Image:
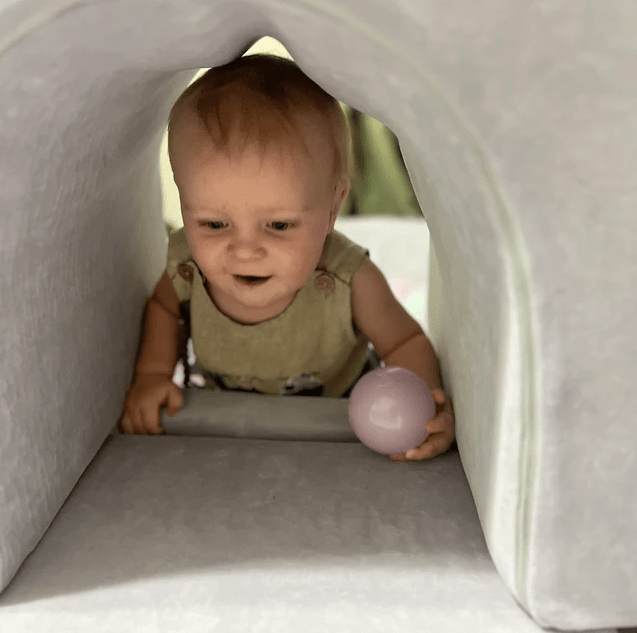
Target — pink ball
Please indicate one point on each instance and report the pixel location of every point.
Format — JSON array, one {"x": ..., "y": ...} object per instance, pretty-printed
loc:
[{"x": 388, "y": 410}]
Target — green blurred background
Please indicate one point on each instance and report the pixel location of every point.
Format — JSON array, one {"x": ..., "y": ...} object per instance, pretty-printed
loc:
[{"x": 381, "y": 185}]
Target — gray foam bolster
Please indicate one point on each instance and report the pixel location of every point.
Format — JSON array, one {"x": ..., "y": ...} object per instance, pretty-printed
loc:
[{"x": 260, "y": 416}]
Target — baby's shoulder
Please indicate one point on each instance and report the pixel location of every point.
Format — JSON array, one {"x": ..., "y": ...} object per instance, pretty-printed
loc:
[
  {"x": 178, "y": 247},
  {"x": 342, "y": 256},
  {"x": 180, "y": 267}
]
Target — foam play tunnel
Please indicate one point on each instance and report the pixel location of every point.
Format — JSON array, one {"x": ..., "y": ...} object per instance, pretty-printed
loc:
[{"x": 516, "y": 120}]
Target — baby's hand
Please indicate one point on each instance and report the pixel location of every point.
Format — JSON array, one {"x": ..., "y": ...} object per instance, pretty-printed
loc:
[
  {"x": 441, "y": 429},
  {"x": 146, "y": 396}
]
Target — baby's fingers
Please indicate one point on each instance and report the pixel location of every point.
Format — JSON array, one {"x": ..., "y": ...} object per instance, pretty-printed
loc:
[
  {"x": 125, "y": 424},
  {"x": 435, "y": 444},
  {"x": 436, "y": 425},
  {"x": 432, "y": 446},
  {"x": 150, "y": 421},
  {"x": 120, "y": 424}
]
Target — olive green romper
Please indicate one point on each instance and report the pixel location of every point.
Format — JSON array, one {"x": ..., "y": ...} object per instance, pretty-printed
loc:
[{"x": 311, "y": 348}]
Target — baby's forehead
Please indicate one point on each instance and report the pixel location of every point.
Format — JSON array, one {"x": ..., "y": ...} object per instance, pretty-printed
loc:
[{"x": 306, "y": 139}]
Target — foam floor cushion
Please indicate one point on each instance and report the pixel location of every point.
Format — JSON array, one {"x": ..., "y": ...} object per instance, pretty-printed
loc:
[{"x": 211, "y": 534}]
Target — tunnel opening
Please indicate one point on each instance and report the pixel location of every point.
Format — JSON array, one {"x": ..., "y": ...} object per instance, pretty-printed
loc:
[{"x": 381, "y": 188}]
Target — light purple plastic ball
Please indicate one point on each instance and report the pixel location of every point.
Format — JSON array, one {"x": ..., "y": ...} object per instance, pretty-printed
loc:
[{"x": 388, "y": 410}]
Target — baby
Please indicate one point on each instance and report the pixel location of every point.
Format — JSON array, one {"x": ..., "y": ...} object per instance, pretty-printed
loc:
[{"x": 276, "y": 300}]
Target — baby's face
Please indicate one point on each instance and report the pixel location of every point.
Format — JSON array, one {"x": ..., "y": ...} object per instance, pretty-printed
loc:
[{"x": 242, "y": 218}]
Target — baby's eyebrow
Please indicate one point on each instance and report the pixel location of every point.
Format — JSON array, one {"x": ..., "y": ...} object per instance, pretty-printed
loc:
[
  {"x": 281, "y": 209},
  {"x": 264, "y": 209}
]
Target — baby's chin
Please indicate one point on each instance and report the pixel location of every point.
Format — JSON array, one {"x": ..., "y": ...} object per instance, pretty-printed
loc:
[{"x": 251, "y": 307}]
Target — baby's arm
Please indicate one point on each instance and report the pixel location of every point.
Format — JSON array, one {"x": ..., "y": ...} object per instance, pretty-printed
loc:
[
  {"x": 159, "y": 346},
  {"x": 158, "y": 352},
  {"x": 400, "y": 341},
  {"x": 396, "y": 336}
]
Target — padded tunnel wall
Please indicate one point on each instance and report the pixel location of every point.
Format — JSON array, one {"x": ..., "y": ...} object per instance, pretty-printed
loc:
[
  {"x": 99, "y": 203},
  {"x": 86, "y": 95}
]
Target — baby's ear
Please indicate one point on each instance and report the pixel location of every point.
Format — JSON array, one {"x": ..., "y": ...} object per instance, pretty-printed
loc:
[
  {"x": 340, "y": 193},
  {"x": 343, "y": 186}
]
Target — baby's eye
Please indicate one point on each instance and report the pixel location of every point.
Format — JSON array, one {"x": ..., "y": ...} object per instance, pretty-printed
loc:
[{"x": 215, "y": 225}]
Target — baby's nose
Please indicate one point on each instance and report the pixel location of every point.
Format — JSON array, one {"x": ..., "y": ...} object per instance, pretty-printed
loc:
[{"x": 246, "y": 246}]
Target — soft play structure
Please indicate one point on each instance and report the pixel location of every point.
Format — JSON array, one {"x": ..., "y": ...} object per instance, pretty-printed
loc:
[{"x": 517, "y": 120}]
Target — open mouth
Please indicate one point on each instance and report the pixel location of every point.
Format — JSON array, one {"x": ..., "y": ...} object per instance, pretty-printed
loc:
[{"x": 251, "y": 281}]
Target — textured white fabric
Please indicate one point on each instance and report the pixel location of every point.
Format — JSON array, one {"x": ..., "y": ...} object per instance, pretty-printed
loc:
[
  {"x": 183, "y": 535},
  {"x": 517, "y": 124}
]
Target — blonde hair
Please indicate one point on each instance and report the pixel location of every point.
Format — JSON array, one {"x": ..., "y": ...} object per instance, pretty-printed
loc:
[{"x": 254, "y": 98}]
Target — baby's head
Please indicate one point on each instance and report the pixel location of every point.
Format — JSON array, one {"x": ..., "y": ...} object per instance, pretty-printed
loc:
[{"x": 261, "y": 158}]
